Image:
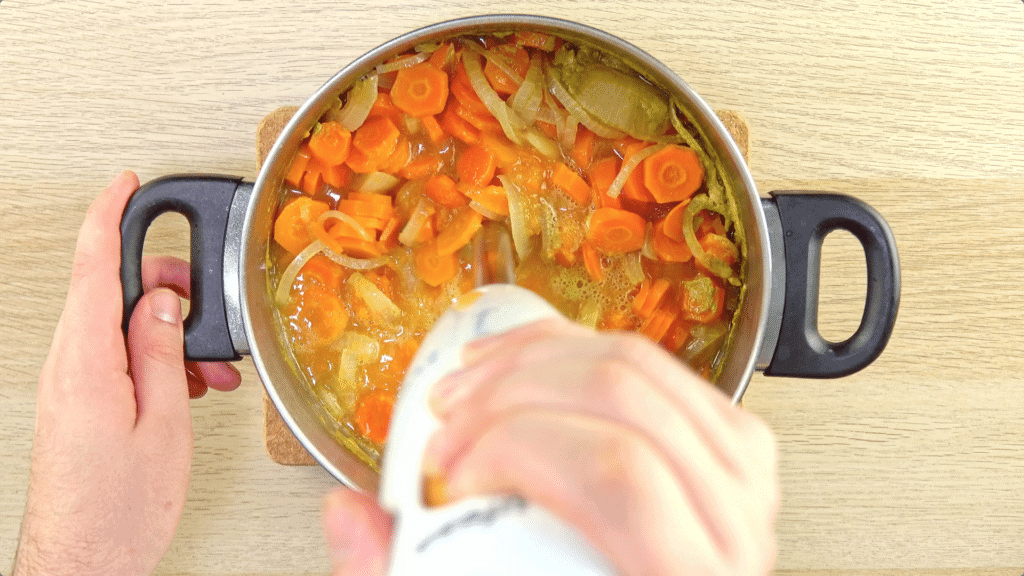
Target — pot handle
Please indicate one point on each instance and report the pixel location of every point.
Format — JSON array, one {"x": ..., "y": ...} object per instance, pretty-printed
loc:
[
  {"x": 806, "y": 219},
  {"x": 205, "y": 201}
]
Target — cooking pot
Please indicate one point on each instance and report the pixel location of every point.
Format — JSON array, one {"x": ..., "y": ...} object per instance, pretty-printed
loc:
[{"x": 232, "y": 311}]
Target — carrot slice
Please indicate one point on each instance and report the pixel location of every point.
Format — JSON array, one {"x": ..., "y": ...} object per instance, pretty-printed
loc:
[
  {"x": 330, "y": 143},
  {"x": 548, "y": 129},
  {"x": 483, "y": 123},
  {"x": 458, "y": 127},
  {"x": 592, "y": 261},
  {"x": 389, "y": 234},
  {"x": 505, "y": 154},
  {"x": 667, "y": 249},
  {"x": 657, "y": 325},
  {"x": 678, "y": 335},
  {"x": 442, "y": 56},
  {"x": 433, "y": 128},
  {"x": 674, "y": 222},
  {"x": 377, "y": 138},
  {"x": 423, "y": 166},
  {"x": 363, "y": 208},
  {"x": 399, "y": 158},
  {"x": 291, "y": 229},
  {"x": 614, "y": 320},
  {"x": 583, "y": 149},
  {"x": 384, "y": 107},
  {"x": 602, "y": 174},
  {"x": 420, "y": 90},
  {"x": 441, "y": 189},
  {"x": 720, "y": 247},
  {"x": 490, "y": 198},
  {"x": 520, "y": 62},
  {"x": 354, "y": 247},
  {"x": 382, "y": 199},
  {"x": 655, "y": 294},
  {"x": 571, "y": 183},
  {"x": 298, "y": 166},
  {"x": 702, "y": 299},
  {"x": 433, "y": 267},
  {"x": 338, "y": 176},
  {"x": 360, "y": 163},
  {"x": 462, "y": 90},
  {"x": 476, "y": 165},
  {"x": 615, "y": 231},
  {"x": 459, "y": 231},
  {"x": 323, "y": 271},
  {"x": 370, "y": 223},
  {"x": 538, "y": 40},
  {"x": 321, "y": 314},
  {"x": 311, "y": 182},
  {"x": 634, "y": 187},
  {"x": 673, "y": 173},
  {"x": 709, "y": 222},
  {"x": 373, "y": 415}
]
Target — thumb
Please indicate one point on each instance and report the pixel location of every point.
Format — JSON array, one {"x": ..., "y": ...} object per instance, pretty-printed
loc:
[
  {"x": 157, "y": 360},
  {"x": 358, "y": 533}
]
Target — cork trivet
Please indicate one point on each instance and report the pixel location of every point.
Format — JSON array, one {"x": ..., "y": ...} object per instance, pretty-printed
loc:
[{"x": 281, "y": 444}]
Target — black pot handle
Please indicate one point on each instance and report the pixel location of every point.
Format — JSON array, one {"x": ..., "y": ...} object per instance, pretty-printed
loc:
[
  {"x": 205, "y": 202},
  {"x": 806, "y": 219}
]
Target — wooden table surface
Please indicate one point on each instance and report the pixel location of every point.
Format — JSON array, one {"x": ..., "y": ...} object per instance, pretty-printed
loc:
[{"x": 912, "y": 466}]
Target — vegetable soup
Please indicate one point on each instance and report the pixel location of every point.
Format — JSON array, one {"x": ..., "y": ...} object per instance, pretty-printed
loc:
[{"x": 617, "y": 212}]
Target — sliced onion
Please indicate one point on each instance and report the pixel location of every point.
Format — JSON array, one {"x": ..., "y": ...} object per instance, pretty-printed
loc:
[
  {"x": 648, "y": 248},
  {"x": 378, "y": 302},
  {"x": 715, "y": 265},
  {"x": 527, "y": 99},
  {"x": 427, "y": 47},
  {"x": 510, "y": 122},
  {"x": 577, "y": 111},
  {"x": 356, "y": 263},
  {"x": 516, "y": 216},
  {"x": 490, "y": 214},
  {"x": 336, "y": 215},
  {"x": 284, "y": 284},
  {"x": 632, "y": 268},
  {"x": 590, "y": 313},
  {"x": 348, "y": 366},
  {"x": 403, "y": 63},
  {"x": 360, "y": 99},
  {"x": 542, "y": 143},
  {"x": 365, "y": 348},
  {"x": 424, "y": 209},
  {"x": 375, "y": 182},
  {"x": 627, "y": 168},
  {"x": 550, "y": 115},
  {"x": 567, "y": 134},
  {"x": 550, "y": 235},
  {"x": 499, "y": 62},
  {"x": 703, "y": 339}
]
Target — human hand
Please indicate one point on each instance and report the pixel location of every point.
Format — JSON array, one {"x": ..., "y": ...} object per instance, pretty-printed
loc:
[
  {"x": 113, "y": 436},
  {"x": 675, "y": 480}
]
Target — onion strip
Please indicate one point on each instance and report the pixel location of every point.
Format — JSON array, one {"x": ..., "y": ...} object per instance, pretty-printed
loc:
[
  {"x": 416, "y": 221},
  {"x": 490, "y": 214},
  {"x": 284, "y": 284},
  {"x": 577, "y": 110},
  {"x": 527, "y": 99},
  {"x": 627, "y": 168},
  {"x": 356, "y": 263},
  {"x": 403, "y": 63},
  {"x": 337, "y": 215},
  {"x": 499, "y": 62},
  {"x": 510, "y": 122},
  {"x": 360, "y": 99},
  {"x": 715, "y": 265},
  {"x": 516, "y": 216},
  {"x": 632, "y": 268}
]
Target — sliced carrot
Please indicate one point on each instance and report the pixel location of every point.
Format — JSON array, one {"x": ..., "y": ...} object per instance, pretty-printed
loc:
[
  {"x": 323, "y": 271},
  {"x": 571, "y": 183},
  {"x": 602, "y": 174},
  {"x": 655, "y": 294},
  {"x": 420, "y": 90},
  {"x": 433, "y": 128},
  {"x": 399, "y": 158},
  {"x": 548, "y": 129},
  {"x": 441, "y": 189},
  {"x": 583, "y": 148},
  {"x": 337, "y": 177},
  {"x": 360, "y": 163},
  {"x": 634, "y": 187},
  {"x": 674, "y": 222},
  {"x": 491, "y": 198},
  {"x": 505, "y": 154},
  {"x": 678, "y": 335},
  {"x": 389, "y": 234},
  {"x": 384, "y": 107},
  {"x": 458, "y": 127},
  {"x": 614, "y": 231},
  {"x": 502, "y": 83},
  {"x": 433, "y": 267},
  {"x": 354, "y": 247},
  {"x": 330, "y": 143},
  {"x": 464, "y": 93},
  {"x": 373, "y": 415},
  {"x": 476, "y": 165},
  {"x": 382, "y": 199},
  {"x": 614, "y": 320},
  {"x": 483, "y": 123},
  {"x": 291, "y": 229},
  {"x": 377, "y": 138},
  {"x": 311, "y": 182},
  {"x": 702, "y": 299},
  {"x": 658, "y": 323},
  {"x": 720, "y": 247},
  {"x": 538, "y": 40},
  {"x": 641, "y": 295},
  {"x": 422, "y": 166},
  {"x": 667, "y": 249},
  {"x": 298, "y": 166},
  {"x": 459, "y": 231},
  {"x": 321, "y": 314},
  {"x": 370, "y": 223},
  {"x": 427, "y": 231},
  {"x": 708, "y": 222},
  {"x": 442, "y": 56},
  {"x": 343, "y": 228},
  {"x": 363, "y": 208},
  {"x": 592, "y": 261},
  {"x": 673, "y": 173}
]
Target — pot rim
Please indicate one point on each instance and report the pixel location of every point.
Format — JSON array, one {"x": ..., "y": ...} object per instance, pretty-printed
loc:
[{"x": 311, "y": 110}]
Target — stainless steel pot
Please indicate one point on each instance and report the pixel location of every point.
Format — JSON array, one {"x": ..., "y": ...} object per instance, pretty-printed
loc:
[{"x": 231, "y": 222}]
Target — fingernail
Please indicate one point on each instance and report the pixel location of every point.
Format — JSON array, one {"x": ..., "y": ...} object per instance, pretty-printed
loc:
[{"x": 165, "y": 306}]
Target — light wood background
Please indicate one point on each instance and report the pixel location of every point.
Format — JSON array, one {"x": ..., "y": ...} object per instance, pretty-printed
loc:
[{"x": 913, "y": 466}]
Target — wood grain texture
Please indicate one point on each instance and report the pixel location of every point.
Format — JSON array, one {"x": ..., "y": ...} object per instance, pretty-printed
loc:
[{"x": 913, "y": 466}]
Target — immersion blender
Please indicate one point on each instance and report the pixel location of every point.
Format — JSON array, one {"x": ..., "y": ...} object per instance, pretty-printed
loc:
[{"x": 496, "y": 535}]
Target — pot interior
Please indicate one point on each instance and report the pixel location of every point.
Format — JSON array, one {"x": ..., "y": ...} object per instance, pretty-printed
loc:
[{"x": 299, "y": 407}]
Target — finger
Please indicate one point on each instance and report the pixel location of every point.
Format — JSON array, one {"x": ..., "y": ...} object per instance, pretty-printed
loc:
[
  {"x": 155, "y": 345},
  {"x": 174, "y": 273},
  {"x": 358, "y": 533},
  {"x": 619, "y": 492},
  {"x": 89, "y": 331}
]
